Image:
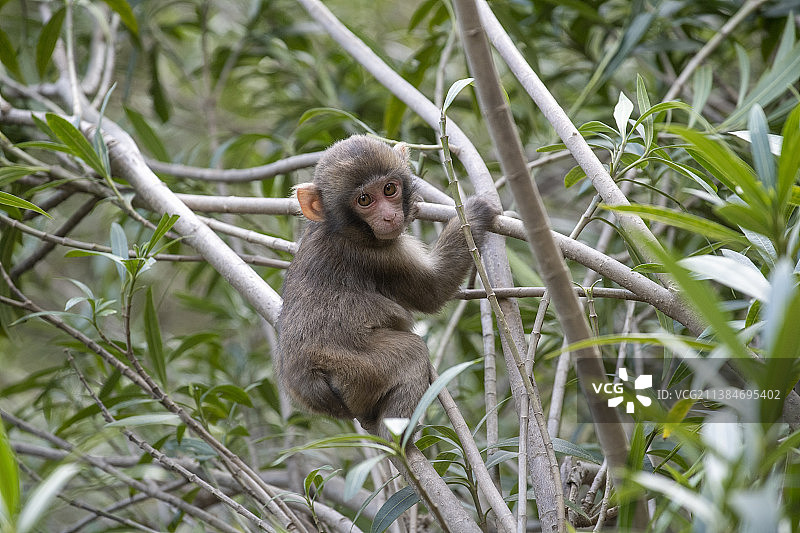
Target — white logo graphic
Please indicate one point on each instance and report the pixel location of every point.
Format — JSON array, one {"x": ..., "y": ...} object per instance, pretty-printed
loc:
[{"x": 645, "y": 381}]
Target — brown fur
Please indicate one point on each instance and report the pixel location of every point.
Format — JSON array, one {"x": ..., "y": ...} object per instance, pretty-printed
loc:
[{"x": 346, "y": 347}]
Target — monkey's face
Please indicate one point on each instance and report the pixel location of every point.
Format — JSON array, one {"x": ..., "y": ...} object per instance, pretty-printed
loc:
[{"x": 379, "y": 203}]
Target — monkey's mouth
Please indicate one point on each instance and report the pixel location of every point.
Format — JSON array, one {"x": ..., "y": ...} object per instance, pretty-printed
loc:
[{"x": 388, "y": 233}]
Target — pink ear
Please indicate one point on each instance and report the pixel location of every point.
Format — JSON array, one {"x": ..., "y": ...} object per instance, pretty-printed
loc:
[
  {"x": 310, "y": 200},
  {"x": 402, "y": 149}
]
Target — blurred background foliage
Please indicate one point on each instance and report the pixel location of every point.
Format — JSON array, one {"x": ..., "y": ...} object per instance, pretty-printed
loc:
[{"x": 231, "y": 85}]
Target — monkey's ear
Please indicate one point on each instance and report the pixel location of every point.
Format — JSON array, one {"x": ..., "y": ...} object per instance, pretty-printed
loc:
[
  {"x": 310, "y": 200},
  {"x": 402, "y": 149}
]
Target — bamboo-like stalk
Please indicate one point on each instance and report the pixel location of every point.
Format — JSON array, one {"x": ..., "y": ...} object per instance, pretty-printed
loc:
[{"x": 505, "y": 330}]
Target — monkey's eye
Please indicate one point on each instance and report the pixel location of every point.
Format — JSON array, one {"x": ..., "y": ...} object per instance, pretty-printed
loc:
[
  {"x": 390, "y": 189},
  {"x": 364, "y": 200}
]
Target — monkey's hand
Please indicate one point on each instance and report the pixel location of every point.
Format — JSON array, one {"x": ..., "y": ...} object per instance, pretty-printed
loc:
[{"x": 481, "y": 213}]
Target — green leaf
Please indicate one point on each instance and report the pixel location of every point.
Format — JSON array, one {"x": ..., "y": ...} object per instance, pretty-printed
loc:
[
  {"x": 358, "y": 474},
  {"x": 781, "y": 334},
  {"x": 679, "y": 219},
  {"x": 317, "y": 111},
  {"x": 123, "y": 9},
  {"x": 119, "y": 247},
  {"x": 12, "y": 173},
  {"x": 743, "y": 59},
  {"x": 161, "y": 104},
  {"x": 9, "y": 479},
  {"x": 456, "y": 88},
  {"x": 763, "y": 160},
  {"x": 789, "y": 162},
  {"x": 152, "y": 419},
  {"x": 593, "y": 126},
  {"x": 731, "y": 273},
  {"x": 74, "y": 139},
  {"x": 726, "y": 166},
  {"x": 40, "y": 501},
  {"x": 396, "y": 505},
  {"x": 164, "y": 225},
  {"x": 147, "y": 135},
  {"x": 87, "y": 253},
  {"x": 230, "y": 392},
  {"x": 47, "y": 40},
  {"x": 701, "y": 89},
  {"x": 644, "y": 105},
  {"x": 746, "y": 216},
  {"x": 574, "y": 175},
  {"x": 15, "y": 201},
  {"x": 774, "y": 82},
  {"x": 622, "y": 113},
  {"x": 155, "y": 347},
  {"x": 8, "y": 56},
  {"x": 431, "y": 394},
  {"x": 565, "y": 447}
]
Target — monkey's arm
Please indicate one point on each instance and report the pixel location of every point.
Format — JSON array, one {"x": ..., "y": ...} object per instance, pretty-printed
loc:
[{"x": 425, "y": 281}]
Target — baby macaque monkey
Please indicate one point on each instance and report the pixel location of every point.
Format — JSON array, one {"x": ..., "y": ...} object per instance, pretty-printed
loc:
[{"x": 346, "y": 346}]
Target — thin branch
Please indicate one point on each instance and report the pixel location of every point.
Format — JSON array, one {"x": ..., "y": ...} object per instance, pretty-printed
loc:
[
  {"x": 710, "y": 46},
  {"x": 140, "y": 486},
  {"x": 167, "y": 462},
  {"x": 90, "y": 246},
  {"x": 576, "y": 144},
  {"x": 538, "y": 292},
  {"x": 41, "y": 252},
  {"x": 283, "y": 166}
]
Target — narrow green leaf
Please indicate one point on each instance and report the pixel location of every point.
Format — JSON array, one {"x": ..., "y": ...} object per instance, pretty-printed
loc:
[
  {"x": 622, "y": 113},
  {"x": 98, "y": 142},
  {"x": 701, "y": 89},
  {"x": 161, "y": 104},
  {"x": 773, "y": 83},
  {"x": 155, "y": 347},
  {"x": 781, "y": 334},
  {"x": 703, "y": 299},
  {"x": 595, "y": 126},
  {"x": 746, "y": 216},
  {"x": 9, "y": 478},
  {"x": 431, "y": 394},
  {"x": 743, "y": 59},
  {"x": 119, "y": 247},
  {"x": 644, "y": 105},
  {"x": 87, "y": 253},
  {"x": 574, "y": 175},
  {"x": 763, "y": 160},
  {"x": 123, "y": 9},
  {"x": 15, "y": 201},
  {"x": 729, "y": 272},
  {"x": 74, "y": 139},
  {"x": 396, "y": 505},
  {"x": 456, "y": 88},
  {"x": 664, "y": 106},
  {"x": 565, "y": 447},
  {"x": 679, "y": 219},
  {"x": 47, "y": 40},
  {"x": 358, "y": 474},
  {"x": 147, "y": 135},
  {"x": 152, "y": 419},
  {"x": 40, "y": 501},
  {"x": 164, "y": 225},
  {"x": 726, "y": 166},
  {"x": 317, "y": 111},
  {"x": 230, "y": 392},
  {"x": 787, "y": 41},
  {"x": 421, "y": 12},
  {"x": 789, "y": 162},
  {"x": 8, "y": 56},
  {"x": 11, "y": 174}
]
